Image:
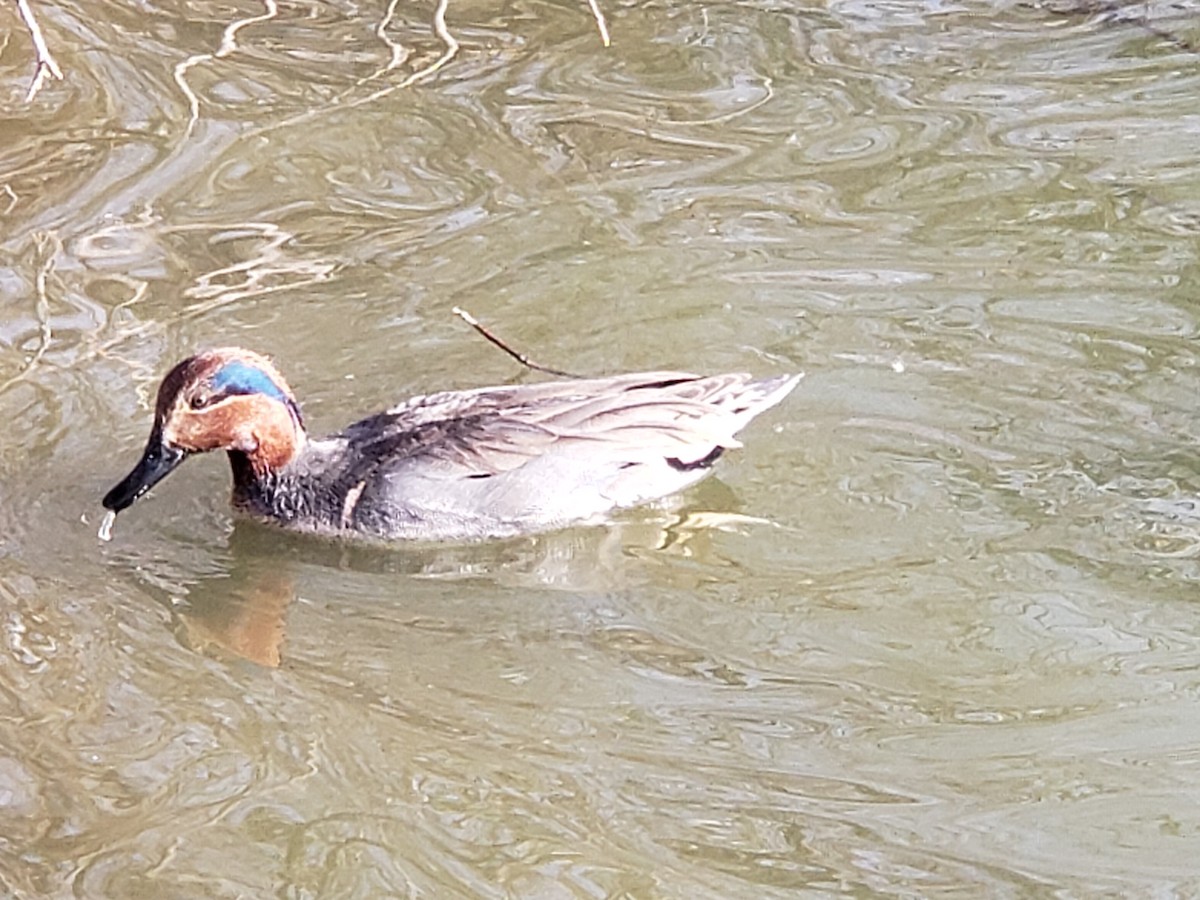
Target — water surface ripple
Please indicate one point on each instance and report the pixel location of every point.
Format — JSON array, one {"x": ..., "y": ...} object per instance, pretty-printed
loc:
[{"x": 933, "y": 632}]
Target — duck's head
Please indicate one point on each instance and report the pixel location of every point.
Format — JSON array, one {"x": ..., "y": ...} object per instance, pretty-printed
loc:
[{"x": 227, "y": 399}]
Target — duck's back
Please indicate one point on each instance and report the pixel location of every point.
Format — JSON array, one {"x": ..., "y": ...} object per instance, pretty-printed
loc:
[{"x": 512, "y": 460}]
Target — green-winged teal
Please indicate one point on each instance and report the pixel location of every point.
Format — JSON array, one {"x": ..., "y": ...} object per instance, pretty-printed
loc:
[{"x": 458, "y": 465}]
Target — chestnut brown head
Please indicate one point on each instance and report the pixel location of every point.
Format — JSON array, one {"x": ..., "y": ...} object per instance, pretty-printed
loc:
[{"x": 226, "y": 399}]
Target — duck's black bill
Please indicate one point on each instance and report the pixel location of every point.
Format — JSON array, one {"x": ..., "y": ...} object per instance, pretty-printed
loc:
[{"x": 156, "y": 464}]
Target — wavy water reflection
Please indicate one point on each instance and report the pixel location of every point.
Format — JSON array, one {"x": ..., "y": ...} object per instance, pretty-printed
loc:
[{"x": 933, "y": 631}]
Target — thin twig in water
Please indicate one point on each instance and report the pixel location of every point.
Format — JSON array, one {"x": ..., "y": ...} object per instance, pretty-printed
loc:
[
  {"x": 600, "y": 23},
  {"x": 397, "y": 53},
  {"x": 396, "y": 48},
  {"x": 767, "y": 97},
  {"x": 13, "y": 200},
  {"x": 440, "y": 29},
  {"x": 228, "y": 45},
  {"x": 46, "y": 63},
  {"x": 180, "y": 75},
  {"x": 46, "y": 247},
  {"x": 519, "y": 357},
  {"x": 344, "y": 101},
  {"x": 444, "y": 35},
  {"x": 229, "y": 38}
]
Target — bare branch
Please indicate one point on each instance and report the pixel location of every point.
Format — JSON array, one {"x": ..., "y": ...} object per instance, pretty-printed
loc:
[
  {"x": 229, "y": 38},
  {"x": 600, "y": 23},
  {"x": 229, "y": 44},
  {"x": 519, "y": 357},
  {"x": 440, "y": 29},
  {"x": 47, "y": 246},
  {"x": 46, "y": 64}
]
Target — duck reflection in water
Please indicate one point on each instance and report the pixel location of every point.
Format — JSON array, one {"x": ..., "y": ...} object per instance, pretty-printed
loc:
[
  {"x": 243, "y": 610},
  {"x": 244, "y": 614}
]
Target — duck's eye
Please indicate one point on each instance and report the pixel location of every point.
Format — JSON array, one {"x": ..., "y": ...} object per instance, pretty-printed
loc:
[{"x": 200, "y": 401}]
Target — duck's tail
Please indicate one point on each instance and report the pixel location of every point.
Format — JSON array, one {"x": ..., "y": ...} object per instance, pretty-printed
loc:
[{"x": 752, "y": 398}]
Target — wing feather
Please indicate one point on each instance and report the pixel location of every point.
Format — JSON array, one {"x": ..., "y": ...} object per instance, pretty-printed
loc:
[{"x": 627, "y": 418}]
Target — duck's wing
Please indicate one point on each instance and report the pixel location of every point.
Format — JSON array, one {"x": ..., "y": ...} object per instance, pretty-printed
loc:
[
  {"x": 623, "y": 420},
  {"x": 512, "y": 460}
]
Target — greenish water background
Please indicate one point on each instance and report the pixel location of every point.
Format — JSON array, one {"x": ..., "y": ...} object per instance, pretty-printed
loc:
[{"x": 933, "y": 632}]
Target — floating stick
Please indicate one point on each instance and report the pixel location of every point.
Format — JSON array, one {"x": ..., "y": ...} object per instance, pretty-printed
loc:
[
  {"x": 46, "y": 63},
  {"x": 519, "y": 357}
]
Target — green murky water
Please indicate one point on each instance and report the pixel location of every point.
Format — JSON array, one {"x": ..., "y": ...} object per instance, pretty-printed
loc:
[{"x": 933, "y": 632}]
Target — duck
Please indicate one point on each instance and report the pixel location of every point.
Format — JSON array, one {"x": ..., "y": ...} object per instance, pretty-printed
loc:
[{"x": 460, "y": 465}]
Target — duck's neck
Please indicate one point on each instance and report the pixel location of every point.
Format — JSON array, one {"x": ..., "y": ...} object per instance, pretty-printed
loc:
[
  {"x": 305, "y": 488},
  {"x": 248, "y": 471},
  {"x": 271, "y": 444},
  {"x": 259, "y": 489}
]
